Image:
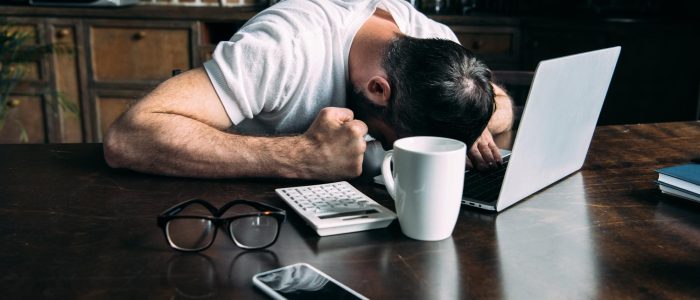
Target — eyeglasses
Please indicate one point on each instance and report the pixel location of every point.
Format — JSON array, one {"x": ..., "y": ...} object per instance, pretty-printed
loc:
[{"x": 251, "y": 230}]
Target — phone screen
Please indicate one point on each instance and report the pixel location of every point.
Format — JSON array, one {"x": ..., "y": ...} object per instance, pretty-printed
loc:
[{"x": 301, "y": 282}]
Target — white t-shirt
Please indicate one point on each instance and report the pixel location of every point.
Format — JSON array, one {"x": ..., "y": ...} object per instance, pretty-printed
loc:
[{"x": 290, "y": 60}]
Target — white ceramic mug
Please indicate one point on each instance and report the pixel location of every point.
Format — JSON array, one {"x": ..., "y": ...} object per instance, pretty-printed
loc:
[{"x": 426, "y": 184}]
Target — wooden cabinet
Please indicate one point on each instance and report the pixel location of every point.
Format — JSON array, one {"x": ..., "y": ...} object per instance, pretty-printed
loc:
[
  {"x": 32, "y": 111},
  {"x": 114, "y": 62}
]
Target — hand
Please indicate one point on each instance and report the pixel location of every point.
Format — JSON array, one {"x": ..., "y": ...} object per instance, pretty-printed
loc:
[
  {"x": 337, "y": 145},
  {"x": 484, "y": 153}
]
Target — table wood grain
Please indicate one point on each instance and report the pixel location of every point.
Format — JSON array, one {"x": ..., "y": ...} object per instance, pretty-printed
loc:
[{"x": 71, "y": 227}]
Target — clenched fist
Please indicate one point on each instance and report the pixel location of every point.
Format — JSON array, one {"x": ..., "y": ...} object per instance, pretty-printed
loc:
[{"x": 336, "y": 145}]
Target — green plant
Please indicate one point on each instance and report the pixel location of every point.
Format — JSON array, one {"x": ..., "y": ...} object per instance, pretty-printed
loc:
[{"x": 16, "y": 52}]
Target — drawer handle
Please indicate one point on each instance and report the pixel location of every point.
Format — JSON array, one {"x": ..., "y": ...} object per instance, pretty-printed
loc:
[
  {"x": 476, "y": 45},
  {"x": 13, "y": 103},
  {"x": 139, "y": 35},
  {"x": 62, "y": 33}
]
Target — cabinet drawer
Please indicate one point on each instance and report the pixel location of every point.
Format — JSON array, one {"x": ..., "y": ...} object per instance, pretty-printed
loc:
[
  {"x": 109, "y": 109},
  {"x": 497, "y": 45},
  {"x": 138, "y": 54},
  {"x": 487, "y": 43},
  {"x": 31, "y": 70},
  {"x": 25, "y": 118}
]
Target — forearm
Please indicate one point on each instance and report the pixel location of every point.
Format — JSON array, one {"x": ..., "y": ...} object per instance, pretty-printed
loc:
[
  {"x": 502, "y": 118},
  {"x": 179, "y": 129},
  {"x": 177, "y": 145}
]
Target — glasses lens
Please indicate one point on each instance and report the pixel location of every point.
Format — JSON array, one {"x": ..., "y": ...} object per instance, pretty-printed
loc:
[
  {"x": 190, "y": 233},
  {"x": 254, "y": 231}
]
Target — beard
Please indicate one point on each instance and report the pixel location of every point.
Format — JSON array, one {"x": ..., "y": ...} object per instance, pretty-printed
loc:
[
  {"x": 363, "y": 108},
  {"x": 367, "y": 111}
]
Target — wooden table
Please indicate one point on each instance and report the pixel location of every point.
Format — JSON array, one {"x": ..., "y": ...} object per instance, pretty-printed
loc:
[{"x": 72, "y": 227}]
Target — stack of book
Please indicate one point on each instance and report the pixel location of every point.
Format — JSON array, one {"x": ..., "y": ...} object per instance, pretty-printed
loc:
[{"x": 681, "y": 181}]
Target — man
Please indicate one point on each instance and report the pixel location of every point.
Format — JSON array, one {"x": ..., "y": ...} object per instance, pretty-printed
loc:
[{"x": 270, "y": 102}]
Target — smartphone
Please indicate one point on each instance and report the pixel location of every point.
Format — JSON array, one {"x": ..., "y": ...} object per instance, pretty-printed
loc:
[{"x": 302, "y": 281}]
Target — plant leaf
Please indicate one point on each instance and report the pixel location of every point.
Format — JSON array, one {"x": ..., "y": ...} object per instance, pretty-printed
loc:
[{"x": 23, "y": 136}]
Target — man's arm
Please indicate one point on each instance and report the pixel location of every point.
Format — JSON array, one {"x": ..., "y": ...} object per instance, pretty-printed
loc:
[
  {"x": 502, "y": 118},
  {"x": 180, "y": 128},
  {"x": 484, "y": 153}
]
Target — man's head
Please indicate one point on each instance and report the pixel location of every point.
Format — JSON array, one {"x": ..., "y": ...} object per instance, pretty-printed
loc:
[{"x": 435, "y": 87}]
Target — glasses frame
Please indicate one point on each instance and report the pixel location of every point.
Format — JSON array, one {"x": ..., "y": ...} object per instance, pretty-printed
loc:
[{"x": 222, "y": 223}]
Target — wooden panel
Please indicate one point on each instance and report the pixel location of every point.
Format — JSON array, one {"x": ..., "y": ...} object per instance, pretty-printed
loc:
[
  {"x": 109, "y": 109},
  {"x": 138, "y": 54},
  {"x": 67, "y": 85},
  {"x": 498, "y": 46},
  {"x": 206, "y": 52},
  {"x": 28, "y": 115},
  {"x": 487, "y": 43},
  {"x": 31, "y": 69}
]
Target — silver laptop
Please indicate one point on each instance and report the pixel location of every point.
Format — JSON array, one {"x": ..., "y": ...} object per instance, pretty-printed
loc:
[{"x": 555, "y": 130}]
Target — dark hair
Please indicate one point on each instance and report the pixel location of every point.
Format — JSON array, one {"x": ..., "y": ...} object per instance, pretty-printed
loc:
[{"x": 438, "y": 88}]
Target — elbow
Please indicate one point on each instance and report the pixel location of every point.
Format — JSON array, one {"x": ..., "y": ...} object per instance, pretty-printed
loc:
[
  {"x": 113, "y": 147},
  {"x": 121, "y": 144},
  {"x": 510, "y": 118},
  {"x": 127, "y": 143}
]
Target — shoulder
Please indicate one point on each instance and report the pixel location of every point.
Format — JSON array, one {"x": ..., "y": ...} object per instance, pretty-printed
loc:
[
  {"x": 293, "y": 12},
  {"x": 416, "y": 24}
]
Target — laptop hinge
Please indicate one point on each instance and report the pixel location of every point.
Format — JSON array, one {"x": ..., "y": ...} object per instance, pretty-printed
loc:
[{"x": 472, "y": 203}]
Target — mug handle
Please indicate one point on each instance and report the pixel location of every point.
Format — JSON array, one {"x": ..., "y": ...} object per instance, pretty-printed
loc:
[{"x": 388, "y": 174}]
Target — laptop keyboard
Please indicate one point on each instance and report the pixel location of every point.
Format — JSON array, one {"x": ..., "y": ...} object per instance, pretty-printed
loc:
[{"x": 485, "y": 186}]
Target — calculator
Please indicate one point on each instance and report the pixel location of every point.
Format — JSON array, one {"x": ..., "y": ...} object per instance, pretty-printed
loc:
[{"x": 336, "y": 208}]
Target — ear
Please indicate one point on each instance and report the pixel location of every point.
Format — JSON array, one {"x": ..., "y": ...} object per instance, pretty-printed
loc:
[{"x": 378, "y": 90}]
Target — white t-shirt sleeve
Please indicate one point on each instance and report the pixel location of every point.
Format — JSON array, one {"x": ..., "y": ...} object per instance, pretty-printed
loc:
[
  {"x": 251, "y": 73},
  {"x": 415, "y": 24}
]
